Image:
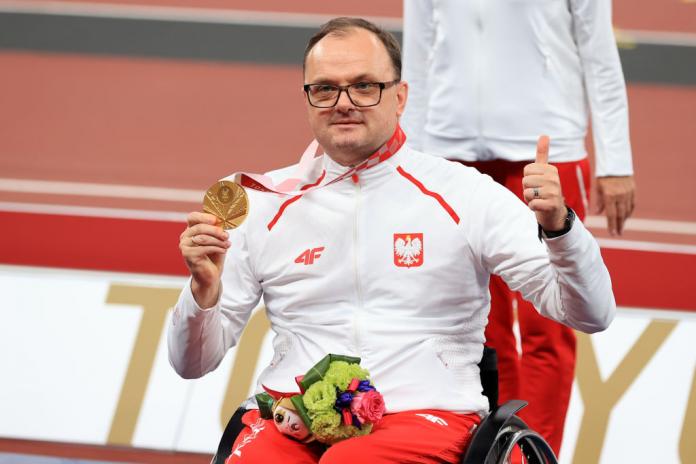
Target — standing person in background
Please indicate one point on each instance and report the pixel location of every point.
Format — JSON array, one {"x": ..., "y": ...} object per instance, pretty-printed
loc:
[{"x": 486, "y": 77}]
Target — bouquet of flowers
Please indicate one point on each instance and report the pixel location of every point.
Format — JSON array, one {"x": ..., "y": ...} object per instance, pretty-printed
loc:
[{"x": 336, "y": 401}]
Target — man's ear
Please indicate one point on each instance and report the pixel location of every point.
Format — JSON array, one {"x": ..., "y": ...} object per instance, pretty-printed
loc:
[
  {"x": 303, "y": 96},
  {"x": 402, "y": 97}
]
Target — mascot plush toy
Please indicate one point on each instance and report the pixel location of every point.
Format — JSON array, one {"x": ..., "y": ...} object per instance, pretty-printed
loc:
[{"x": 289, "y": 422}]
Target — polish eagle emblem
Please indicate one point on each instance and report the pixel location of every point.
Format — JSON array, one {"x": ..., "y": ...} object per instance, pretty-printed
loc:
[{"x": 408, "y": 250}]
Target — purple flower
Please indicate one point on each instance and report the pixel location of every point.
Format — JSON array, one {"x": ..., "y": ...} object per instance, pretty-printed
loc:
[
  {"x": 364, "y": 386},
  {"x": 356, "y": 422},
  {"x": 343, "y": 401}
]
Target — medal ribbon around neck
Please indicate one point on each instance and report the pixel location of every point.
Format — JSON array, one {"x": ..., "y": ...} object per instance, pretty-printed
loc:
[{"x": 290, "y": 186}]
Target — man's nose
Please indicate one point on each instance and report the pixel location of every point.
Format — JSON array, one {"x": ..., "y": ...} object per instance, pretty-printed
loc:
[{"x": 344, "y": 102}]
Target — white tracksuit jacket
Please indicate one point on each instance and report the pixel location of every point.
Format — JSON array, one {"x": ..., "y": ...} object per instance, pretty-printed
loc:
[
  {"x": 487, "y": 77},
  {"x": 419, "y": 329}
]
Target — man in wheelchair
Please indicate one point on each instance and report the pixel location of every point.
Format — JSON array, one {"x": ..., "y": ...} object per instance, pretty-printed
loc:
[{"x": 380, "y": 252}]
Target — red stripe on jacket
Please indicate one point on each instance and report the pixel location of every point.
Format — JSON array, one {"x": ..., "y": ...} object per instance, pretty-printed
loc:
[
  {"x": 287, "y": 203},
  {"x": 437, "y": 196}
]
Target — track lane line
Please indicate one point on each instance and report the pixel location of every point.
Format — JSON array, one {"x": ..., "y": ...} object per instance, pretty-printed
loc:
[
  {"x": 89, "y": 211},
  {"x": 100, "y": 190},
  {"x": 646, "y": 225},
  {"x": 637, "y": 245},
  {"x": 177, "y": 13}
]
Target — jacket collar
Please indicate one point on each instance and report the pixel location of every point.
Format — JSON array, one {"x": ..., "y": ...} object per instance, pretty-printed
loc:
[{"x": 373, "y": 165}]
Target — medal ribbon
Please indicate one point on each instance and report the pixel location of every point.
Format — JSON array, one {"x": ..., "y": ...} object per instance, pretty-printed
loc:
[{"x": 290, "y": 185}]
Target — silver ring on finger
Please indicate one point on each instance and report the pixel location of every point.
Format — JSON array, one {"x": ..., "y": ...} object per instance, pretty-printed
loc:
[{"x": 536, "y": 192}]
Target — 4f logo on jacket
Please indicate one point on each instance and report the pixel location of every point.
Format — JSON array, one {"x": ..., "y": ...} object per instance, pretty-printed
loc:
[
  {"x": 408, "y": 250},
  {"x": 308, "y": 256}
]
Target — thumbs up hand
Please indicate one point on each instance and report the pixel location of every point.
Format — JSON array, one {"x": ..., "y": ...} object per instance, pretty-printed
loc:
[{"x": 542, "y": 189}]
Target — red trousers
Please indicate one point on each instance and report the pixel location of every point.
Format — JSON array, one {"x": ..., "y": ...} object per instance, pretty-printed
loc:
[
  {"x": 424, "y": 436},
  {"x": 543, "y": 373}
]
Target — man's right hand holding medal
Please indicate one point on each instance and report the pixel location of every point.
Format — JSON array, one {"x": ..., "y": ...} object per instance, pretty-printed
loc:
[
  {"x": 203, "y": 245},
  {"x": 204, "y": 242}
]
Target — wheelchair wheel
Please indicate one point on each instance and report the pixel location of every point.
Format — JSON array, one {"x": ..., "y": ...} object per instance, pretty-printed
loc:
[{"x": 516, "y": 435}]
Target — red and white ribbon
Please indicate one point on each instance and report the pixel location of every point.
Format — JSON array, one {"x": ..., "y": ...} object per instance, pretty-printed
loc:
[{"x": 290, "y": 186}]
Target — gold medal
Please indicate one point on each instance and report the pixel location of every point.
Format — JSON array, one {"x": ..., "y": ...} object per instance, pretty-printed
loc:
[{"x": 228, "y": 202}]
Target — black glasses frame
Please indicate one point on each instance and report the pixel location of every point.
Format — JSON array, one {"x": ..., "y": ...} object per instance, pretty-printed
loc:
[{"x": 346, "y": 89}]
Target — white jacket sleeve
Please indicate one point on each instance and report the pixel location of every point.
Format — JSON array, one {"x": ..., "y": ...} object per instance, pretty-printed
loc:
[
  {"x": 199, "y": 338},
  {"x": 606, "y": 88},
  {"x": 564, "y": 278},
  {"x": 418, "y": 36}
]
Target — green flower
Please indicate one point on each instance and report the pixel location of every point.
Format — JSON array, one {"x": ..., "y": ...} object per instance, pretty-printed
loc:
[
  {"x": 325, "y": 425},
  {"x": 320, "y": 397},
  {"x": 334, "y": 434},
  {"x": 366, "y": 428},
  {"x": 340, "y": 374}
]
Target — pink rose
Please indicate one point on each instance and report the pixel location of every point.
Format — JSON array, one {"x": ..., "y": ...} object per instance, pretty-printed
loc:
[{"x": 368, "y": 407}]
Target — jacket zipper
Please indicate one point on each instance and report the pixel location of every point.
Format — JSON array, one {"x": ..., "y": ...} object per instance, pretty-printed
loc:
[{"x": 358, "y": 289}]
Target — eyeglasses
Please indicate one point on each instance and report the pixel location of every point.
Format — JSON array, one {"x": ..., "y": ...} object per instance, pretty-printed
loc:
[{"x": 361, "y": 94}]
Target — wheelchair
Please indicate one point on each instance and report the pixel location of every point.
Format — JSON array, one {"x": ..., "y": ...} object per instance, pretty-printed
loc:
[{"x": 494, "y": 440}]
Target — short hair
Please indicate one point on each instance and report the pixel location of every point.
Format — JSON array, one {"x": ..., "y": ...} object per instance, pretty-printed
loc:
[{"x": 343, "y": 25}]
